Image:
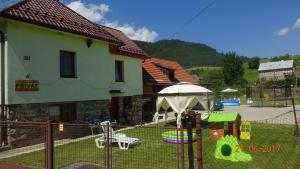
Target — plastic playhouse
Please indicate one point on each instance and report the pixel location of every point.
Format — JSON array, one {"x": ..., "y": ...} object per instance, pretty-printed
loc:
[{"x": 224, "y": 124}]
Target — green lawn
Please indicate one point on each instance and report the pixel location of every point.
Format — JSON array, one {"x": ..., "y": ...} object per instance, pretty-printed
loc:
[
  {"x": 251, "y": 75},
  {"x": 153, "y": 153}
]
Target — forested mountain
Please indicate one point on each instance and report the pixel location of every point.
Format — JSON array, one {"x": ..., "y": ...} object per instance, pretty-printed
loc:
[{"x": 188, "y": 54}]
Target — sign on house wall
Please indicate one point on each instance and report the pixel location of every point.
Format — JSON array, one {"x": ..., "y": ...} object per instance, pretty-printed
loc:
[{"x": 26, "y": 85}]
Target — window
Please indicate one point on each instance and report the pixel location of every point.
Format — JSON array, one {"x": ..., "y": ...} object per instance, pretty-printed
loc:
[
  {"x": 119, "y": 71},
  {"x": 168, "y": 72},
  {"x": 63, "y": 112},
  {"x": 67, "y": 64}
]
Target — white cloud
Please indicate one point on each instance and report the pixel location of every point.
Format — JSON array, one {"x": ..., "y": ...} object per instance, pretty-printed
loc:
[
  {"x": 7, "y": 3},
  {"x": 96, "y": 13},
  {"x": 283, "y": 31},
  {"x": 297, "y": 23},
  {"x": 142, "y": 34}
]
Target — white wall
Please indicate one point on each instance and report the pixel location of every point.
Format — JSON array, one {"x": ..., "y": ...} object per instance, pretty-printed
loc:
[
  {"x": 95, "y": 67},
  {"x": 133, "y": 77}
]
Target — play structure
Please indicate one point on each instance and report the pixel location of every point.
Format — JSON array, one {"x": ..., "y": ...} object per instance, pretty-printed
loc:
[
  {"x": 174, "y": 138},
  {"x": 226, "y": 128},
  {"x": 269, "y": 96},
  {"x": 245, "y": 130},
  {"x": 221, "y": 124},
  {"x": 229, "y": 97},
  {"x": 227, "y": 149}
]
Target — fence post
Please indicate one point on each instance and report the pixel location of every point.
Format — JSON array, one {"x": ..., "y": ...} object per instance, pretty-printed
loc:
[
  {"x": 107, "y": 147},
  {"x": 189, "y": 126},
  {"x": 181, "y": 147},
  {"x": 199, "y": 141},
  {"x": 49, "y": 146},
  {"x": 296, "y": 132}
]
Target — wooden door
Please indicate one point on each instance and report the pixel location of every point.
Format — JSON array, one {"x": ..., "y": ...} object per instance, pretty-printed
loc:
[{"x": 114, "y": 109}]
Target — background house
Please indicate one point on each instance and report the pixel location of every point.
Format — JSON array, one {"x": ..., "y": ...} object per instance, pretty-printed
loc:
[
  {"x": 276, "y": 70},
  {"x": 158, "y": 74}
]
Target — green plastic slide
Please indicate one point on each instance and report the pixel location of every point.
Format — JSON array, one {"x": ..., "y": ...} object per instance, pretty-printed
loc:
[{"x": 227, "y": 148}]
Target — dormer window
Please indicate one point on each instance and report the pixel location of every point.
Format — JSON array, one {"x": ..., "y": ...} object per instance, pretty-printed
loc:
[{"x": 168, "y": 72}]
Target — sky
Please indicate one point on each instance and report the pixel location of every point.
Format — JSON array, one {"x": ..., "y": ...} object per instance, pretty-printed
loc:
[{"x": 261, "y": 28}]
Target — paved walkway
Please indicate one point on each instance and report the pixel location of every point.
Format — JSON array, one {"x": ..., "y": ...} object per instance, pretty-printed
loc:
[
  {"x": 37, "y": 147},
  {"x": 12, "y": 166},
  {"x": 84, "y": 165},
  {"x": 265, "y": 113}
]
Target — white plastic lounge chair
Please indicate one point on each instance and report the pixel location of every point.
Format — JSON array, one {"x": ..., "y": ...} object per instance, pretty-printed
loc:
[{"x": 123, "y": 141}]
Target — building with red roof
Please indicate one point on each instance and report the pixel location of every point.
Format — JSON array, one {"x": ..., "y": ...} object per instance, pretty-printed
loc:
[
  {"x": 158, "y": 74},
  {"x": 58, "y": 65}
]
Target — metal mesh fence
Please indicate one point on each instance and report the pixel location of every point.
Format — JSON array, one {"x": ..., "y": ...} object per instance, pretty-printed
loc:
[
  {"x": 149, "y": 151},
  {"x": 272, "y": 144},
  {"x": 25, "y": 145},
  {"x": 75, "y": 146},
  {"x": 275, "y": 96}
]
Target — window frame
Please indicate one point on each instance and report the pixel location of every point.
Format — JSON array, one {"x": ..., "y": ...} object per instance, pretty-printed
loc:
[
  {"x": 74, "y": 67},
  {"x": 122, "y": 71}
]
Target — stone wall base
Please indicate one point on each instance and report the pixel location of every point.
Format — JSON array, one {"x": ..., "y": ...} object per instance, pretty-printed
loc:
[{"x": 21, "y": 135}]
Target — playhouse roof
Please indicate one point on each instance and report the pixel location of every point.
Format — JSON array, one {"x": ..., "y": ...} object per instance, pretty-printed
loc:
[{"x": 218, "y": 117}]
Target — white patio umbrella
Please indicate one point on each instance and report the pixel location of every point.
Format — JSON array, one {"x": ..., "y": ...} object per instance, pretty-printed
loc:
[
  {"x": 180, "y": 96},
  {"x": 229, "y": 90}
]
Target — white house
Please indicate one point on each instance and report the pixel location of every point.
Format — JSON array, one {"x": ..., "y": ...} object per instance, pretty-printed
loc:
[
  {"x": 276, "y": 70},
  {"x": 58, "y": 65}
]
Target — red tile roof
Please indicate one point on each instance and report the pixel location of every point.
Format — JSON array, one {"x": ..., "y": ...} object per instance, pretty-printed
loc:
[
  {"x": 130, "y": 47},
  {"x": 153, "y": 75},
  {"x": 53, "y": 14}
]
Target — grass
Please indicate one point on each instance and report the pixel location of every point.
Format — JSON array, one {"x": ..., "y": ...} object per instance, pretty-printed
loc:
[
  {"x": 153, "y": 153},
  {"x": 251, "y": 75},
  {"x": 206, "y": 68}
]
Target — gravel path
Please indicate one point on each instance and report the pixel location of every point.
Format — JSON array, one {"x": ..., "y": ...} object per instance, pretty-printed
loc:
[{"x": 278, "y": 114}]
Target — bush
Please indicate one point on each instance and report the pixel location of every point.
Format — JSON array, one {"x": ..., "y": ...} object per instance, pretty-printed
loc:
[{"x": 253, "y": 63}]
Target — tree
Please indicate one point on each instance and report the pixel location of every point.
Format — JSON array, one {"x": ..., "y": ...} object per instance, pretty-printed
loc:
[
  {"x": 213, "y": 77},
  {"x": 253, "y": 63},
  {"x": 233, "y": 69},
  {"x": 279, "y": 58}
]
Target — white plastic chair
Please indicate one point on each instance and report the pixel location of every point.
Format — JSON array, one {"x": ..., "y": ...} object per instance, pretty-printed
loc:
[{"x": 123, "y": 141}]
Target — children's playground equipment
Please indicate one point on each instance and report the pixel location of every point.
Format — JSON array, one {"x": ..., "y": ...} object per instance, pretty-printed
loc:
[
  {"x": 174, "y": 137},
  {"x": 266, "y": 96},
  {"x": 245, "y": 130},
  {"x": 227, "y": 148},
  {"x": 224, "y": 124}
]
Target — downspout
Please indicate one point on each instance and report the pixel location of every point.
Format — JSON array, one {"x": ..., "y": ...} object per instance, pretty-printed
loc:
[
  {"x": 2, "y": 36},
  {"x": 3, "y": 128}
]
